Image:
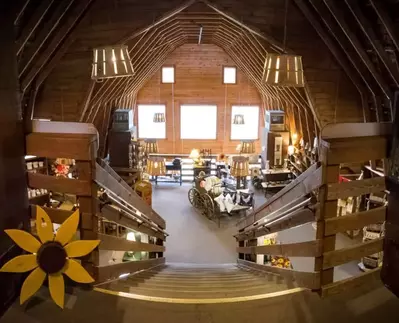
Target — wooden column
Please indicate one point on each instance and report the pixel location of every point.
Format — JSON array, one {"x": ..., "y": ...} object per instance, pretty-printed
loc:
[
  {"x": 14, "y": 209},
  {"x": 328, "y": 209},
  {"x": 88, "y": 208}
]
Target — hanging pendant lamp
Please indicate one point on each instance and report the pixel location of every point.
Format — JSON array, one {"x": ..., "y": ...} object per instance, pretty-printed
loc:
[
  {"x": 111, "y": 62},
  {"x": 284, "y": 69},
  {"x": 151, "y": 146},
  {"x": 159, "y": 117},
  {"x": 238, "y": 119},
  {"x": 247, "y": 147}
]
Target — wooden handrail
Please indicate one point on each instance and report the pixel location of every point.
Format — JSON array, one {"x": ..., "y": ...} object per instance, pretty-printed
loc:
[
  {"x": 304, "y": 184},
  {"x": 109, "y": 242},
  {"x": 344, "y": 255},
  {"x": 108, "y": 182},
  {"x": 120, "y": 217},
  {"x": 299, "y": 249},
  {"x": 355, "y": 188},
  {"x": 354, "y": 221}
]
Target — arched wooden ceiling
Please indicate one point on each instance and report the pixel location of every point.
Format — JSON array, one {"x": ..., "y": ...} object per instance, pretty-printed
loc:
[
  {"x": 150, "y": 47},
  {"x": 349, "y": 49}
]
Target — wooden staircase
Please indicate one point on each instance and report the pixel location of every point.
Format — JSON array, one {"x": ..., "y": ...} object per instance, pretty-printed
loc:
[{"x": 195, "y": 281}]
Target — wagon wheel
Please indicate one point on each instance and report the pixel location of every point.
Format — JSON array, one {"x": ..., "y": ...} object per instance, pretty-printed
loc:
[
  {"x": 208, "y": 206},
  {"x": 194, "y": 197}
]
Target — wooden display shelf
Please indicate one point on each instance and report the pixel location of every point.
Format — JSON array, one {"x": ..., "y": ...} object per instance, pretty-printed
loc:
[{"x": 40, "y": 200}]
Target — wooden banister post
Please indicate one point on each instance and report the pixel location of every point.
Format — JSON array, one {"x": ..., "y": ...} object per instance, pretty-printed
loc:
[
  {"x": 89, "y": 227},
  {"x": 328, "y": 209}
]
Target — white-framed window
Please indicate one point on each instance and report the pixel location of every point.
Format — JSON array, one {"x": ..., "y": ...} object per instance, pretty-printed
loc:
[
  {"x": 198, "y": 121},
  {"x": 250, "y": 129},
  {"x": 168, "y": 74},
  {"x": 229, "y": 75},
  {"x": 147, "y": 127}
]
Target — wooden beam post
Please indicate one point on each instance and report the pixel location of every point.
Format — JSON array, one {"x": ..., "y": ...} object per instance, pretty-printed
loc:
[
  {"x": 14, "y": 203},
  {"x": 328, "y": 209}
]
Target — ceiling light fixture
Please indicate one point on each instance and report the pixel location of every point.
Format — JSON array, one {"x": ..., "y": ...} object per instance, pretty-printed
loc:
[
  {"x": 111, "y": 62},
  {"x": 238, "y": 119},
  {"x": 159, "y": 117},
  {"x": 284, "y": 69}
]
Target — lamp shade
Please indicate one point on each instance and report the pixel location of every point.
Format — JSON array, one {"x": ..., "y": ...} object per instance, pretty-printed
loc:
[
  {"x": 150, "y": 146},
  {"x": 195, "y": 154},
  {"x": 247, "y": 147},
  {"x": 238, "y": 119},
  {"x": 156, "y": 166},
  {"x": 159, "y": 117},
  {"x": 284, "y": 70},
  {"x": 240, "y": 166},
  {"x": 291, "y": 150},
  {"x": 110, "y": 62}
]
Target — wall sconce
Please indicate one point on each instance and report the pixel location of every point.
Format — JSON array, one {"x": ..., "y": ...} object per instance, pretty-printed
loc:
[
  {"x": 111, "y": 62},
  {"x": 159, "y": 117},
  {"x": 150, "y": 146},
  {"x": 247, "y": 147},
  {"x": 238, "y": 119},
  {"x": 291, "y": 150},
  {"x": 284, "y": 70},
  {"x": 156, "y": 166},
  {"x": 240, "y": 166}
]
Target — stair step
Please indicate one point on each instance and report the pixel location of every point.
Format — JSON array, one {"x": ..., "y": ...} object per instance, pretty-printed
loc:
[
  {"x": 216, "y": 293},
  {"x": 196, "y": 286},
  {"x": 195, "y": 278}
]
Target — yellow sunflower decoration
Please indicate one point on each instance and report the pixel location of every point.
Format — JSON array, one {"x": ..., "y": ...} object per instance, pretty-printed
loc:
[{"x": 51, "y": 256}]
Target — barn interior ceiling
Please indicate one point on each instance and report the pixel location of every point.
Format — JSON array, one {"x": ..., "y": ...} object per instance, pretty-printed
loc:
[{"x": 352, "y": 40}]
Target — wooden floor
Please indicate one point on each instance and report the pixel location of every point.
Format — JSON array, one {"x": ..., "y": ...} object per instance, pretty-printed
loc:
[{"x": 195, "y": 239}]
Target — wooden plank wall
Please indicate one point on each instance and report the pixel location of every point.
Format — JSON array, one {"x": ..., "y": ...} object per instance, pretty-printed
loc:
[{"x": 199, "y": 80}]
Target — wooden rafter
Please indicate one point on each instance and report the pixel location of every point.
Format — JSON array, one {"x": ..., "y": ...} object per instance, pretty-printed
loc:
[
  {"x": 337, "y": 14},
  {"x": 77, "y": 13},
  {"x": 33, "y": 23},
  {"x": 374, "y": 40}
]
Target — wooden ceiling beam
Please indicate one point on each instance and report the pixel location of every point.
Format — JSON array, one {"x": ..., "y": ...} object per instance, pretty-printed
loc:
[
  {"x": 161, "y": 20},
  {"x": 386, "y": 21},
  {"x": 77, "y": 12},
  {"x": 273, "y": 42},
  {"x": 362, "y": 71},
  {"x": 374, "y": 40},
  {"x": 44, "y": 34},
  {"x": 33, "y": 23},
  {"x": 21, "y": 11},
  {"x": 337, "y": 53},
  {"x": 338, "y": 15},
  {"x": 153, "y": 69},
  {"x": 112, "y": 83},
  {"x": 153, "y": 38},
  {"x": 140, "y": 60}
]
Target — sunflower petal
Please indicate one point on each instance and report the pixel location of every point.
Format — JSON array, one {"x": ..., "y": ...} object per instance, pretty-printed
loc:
[
  {"x": 44, "y": 226},
  {"x": 32, "y": 284},
  {"x": 81, "y": 247},
  {"x": 57, "y": 289},
  {"x": 76, "y": 272},
  {"x": 68, "y": 229},
  {"x": 20, "y": 264},
  {"x": 24, "y": 240}
]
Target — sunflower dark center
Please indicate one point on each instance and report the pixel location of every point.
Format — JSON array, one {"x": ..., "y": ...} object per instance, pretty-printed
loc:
[{"x": 51, "y": 257}]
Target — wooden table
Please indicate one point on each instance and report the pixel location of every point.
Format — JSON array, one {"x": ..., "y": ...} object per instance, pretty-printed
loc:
[{"x": 171, "y": 167}]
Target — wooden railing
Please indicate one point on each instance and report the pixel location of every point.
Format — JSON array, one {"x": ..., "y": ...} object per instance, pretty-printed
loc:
[
  {"x": 313, "y": 197},
  {"x": 104, "y": 199}
]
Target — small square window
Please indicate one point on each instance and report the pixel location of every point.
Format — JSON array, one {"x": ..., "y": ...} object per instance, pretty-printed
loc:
[
  {"x": 229, "y": 75},
  {"x": 168, "y": 74}
]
